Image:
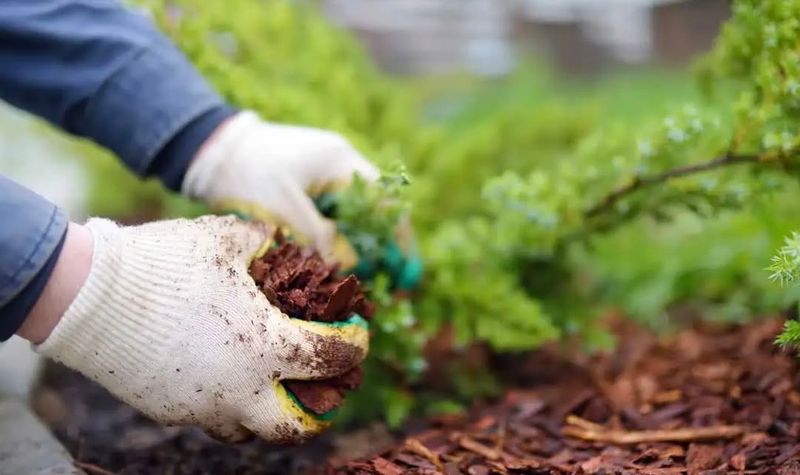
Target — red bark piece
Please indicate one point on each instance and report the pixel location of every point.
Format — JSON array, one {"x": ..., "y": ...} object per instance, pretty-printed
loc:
[
  {"x": 702, "y": 457},
  {"x": 319, "y": 397},
  {"x": 341, "y": 299},
  {"x": 352, "y": 379},
  {"x": 791, "y": 468},
  {"x": 738, "y": 461},
  {"x": 385, "y": 467},
  {"x": 478, "y": 470},
  {"x": 414, "y": 461},
  {"x": 788, "y": 453},
  {"x": 451, "y": 468}
]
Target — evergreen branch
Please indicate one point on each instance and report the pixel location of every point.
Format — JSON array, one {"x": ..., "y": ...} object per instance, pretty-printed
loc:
[{"x": 648, "y": 180}]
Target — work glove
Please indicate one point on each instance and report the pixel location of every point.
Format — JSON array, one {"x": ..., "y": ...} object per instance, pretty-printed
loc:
[
  {"x": 271, "y": 172},
  {"x": 170, "y": 321}
]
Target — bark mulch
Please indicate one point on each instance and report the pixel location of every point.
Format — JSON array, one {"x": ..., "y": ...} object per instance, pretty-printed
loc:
[
  {"x": 705, "y": 401},
  {"x": 708, "y": 401},
  {"x": 297, "y": 281}
]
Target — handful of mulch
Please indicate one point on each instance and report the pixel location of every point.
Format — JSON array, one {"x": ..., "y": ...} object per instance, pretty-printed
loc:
[{"x": 302, "y": 285}]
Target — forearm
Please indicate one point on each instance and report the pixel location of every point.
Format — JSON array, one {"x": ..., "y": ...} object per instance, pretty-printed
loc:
[
  {"x": 68, "y": 275},
  {"x": 98, "y": 70},
  {"x": 31, "y": 238}
]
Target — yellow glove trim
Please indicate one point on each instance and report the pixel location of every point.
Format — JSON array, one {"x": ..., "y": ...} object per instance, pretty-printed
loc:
[
  {"x": 249, "y": 209},
  {"x": 343, "y": 251},
  {"x": 317, "y": 189},
  {"x": 353, "y": 334},
  {"x": 307, "y": 420}
]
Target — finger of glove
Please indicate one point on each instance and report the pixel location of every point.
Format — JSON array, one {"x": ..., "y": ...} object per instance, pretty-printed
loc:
[
  {"x": 234, "y": 236},
  {"x": 298, "y": 211},
  {"x": 229, "y": 433},
  {"x": 341, "y": 164},
  {"x": 351, "y": 161},
  {"x": 276, "y": 418},
  {"x": 343, "y": 252},
  {"x": 404, "y": 234},
  {"x": 311, "y": 350}
]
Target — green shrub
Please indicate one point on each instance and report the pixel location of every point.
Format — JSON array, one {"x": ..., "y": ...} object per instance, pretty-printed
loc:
[{"x": 518, "y": 186}]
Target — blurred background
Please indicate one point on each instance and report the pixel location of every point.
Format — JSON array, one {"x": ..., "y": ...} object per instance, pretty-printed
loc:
[
  {"x": 489, "y": 37},
  {"x": 434, "y": 41}
]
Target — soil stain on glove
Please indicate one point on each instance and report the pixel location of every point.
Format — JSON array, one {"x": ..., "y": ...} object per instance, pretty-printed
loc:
[{"x": 299, "y": 282}]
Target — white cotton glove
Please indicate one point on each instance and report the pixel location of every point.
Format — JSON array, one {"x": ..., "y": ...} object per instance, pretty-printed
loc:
[
  {"x": 170, "y": 321},
  {"x": 271, "y": 171}
]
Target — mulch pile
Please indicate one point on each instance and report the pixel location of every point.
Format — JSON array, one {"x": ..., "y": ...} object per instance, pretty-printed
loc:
[
  {"x": 706, "y": 401},
  {"x": 297, "y": 281},
  {"x": 709, "y": 401}
]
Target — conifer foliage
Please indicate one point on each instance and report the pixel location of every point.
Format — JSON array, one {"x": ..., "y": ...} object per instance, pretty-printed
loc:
[{"x": 498, "y": 225}]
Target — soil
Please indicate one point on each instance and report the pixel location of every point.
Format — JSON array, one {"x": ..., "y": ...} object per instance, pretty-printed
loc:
[
  {"x": 106, "y": 436},
  {"x": 302, "y": 285},
  {"x": 706, "y": 401}
]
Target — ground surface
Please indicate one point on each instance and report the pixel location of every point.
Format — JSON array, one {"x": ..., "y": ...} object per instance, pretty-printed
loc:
[
  {"x": 108, "y": 435},
  {"x": 701, "y": 402},
  {"x": 709, "y": 402}
]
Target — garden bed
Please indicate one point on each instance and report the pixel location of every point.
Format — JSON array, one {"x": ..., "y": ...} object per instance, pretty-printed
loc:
[
  {"x": 103, "y": 433},
  {"x": 706, "y": 401}
]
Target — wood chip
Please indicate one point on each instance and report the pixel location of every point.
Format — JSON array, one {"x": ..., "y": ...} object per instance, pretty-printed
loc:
[
  {"x": 93, "y": 469},
  {"x": 385, "y": 467},
  {"x": 738, "y": 461},
  {"x": 702, "y": 457},
  {"x": 578, "y": 429},
  {"x": 415, "y": 446},
  {"x": 478, "y": 448}
]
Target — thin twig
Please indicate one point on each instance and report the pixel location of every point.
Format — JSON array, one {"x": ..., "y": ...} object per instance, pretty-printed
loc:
[
  {"x": 92, "y": 468},
  {"x": 500, "y": 442},
  {"x": 783, "y": 458},
  {"x": 417, "y": 447},
  {"x": 585, "y": 430},
  {"x": 582, "y": 423},
  {"x": 643, "y": 181},
  {"x": 474, "y": 446}
]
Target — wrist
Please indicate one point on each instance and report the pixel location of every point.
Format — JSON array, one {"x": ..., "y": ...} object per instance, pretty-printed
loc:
[
  {"x": 211, "y": 137},
  {"x": 217, "y": 153},
  {"x": 172, "y": 161},
  {"x": 66, "y": 280}
]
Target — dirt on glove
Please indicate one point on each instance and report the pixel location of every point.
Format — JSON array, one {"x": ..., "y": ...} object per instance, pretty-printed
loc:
[{"x": 302, "y": 285}]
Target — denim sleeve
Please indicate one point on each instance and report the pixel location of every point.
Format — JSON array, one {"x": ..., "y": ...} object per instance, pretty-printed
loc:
[
  {"x": 31, "y": 237},
  {"x": 104, "y": 72}
]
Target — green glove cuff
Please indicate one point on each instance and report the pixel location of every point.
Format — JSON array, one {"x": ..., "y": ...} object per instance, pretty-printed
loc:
[{"x": 355, "y": 319}]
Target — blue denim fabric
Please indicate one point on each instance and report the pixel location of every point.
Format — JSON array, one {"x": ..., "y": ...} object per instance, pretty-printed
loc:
[
  {"x": 101, "y": 71},
  {"x": 31, "y": 231}
]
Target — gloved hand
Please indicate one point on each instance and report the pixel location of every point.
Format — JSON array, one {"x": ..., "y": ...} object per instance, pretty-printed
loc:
[
  {"x": 271, "y": 172},
  {"x": 170, "y": 321}
]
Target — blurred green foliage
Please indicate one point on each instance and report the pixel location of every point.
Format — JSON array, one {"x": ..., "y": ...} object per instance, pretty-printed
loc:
[
  {"x": 785, "y": 269},
  {"x": 518, "y": 184}
]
